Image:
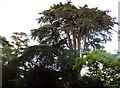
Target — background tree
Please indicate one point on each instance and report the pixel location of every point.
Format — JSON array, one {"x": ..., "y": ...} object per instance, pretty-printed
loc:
[
  {"x": 9, "y": 64},
  {"x": 11, "y": 52}
]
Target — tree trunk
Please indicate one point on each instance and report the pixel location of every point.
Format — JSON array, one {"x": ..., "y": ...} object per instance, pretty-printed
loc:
[
  {"x": 74, "y": 39},
  {"x": 69, "y": 39}
]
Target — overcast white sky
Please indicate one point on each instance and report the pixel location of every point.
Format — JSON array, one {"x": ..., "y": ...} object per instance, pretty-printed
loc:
[{"x": 20, "y": 15}]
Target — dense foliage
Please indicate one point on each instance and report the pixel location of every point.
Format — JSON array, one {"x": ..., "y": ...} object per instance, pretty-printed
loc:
[
  {"x": 102, "y": 66},
  {"x": 67, "y": 38}
]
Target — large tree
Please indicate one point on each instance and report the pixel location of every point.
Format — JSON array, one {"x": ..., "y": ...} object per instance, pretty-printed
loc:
[
  {"x": 85, "y": 28},
  {"x": 65, "y": 32}
]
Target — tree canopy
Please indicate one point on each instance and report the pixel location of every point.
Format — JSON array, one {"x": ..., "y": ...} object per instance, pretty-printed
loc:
[{"x": 85, "y": 28}]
